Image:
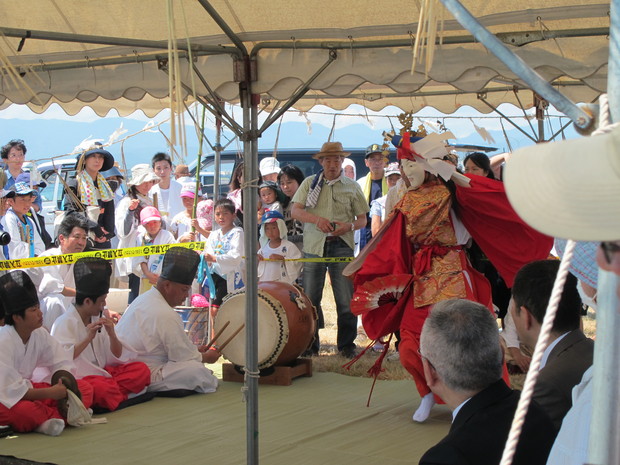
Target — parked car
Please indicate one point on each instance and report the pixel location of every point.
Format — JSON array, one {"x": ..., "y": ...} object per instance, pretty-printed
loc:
[
  {"x": 53, "y": 193},
  {"x": 302, "y": 158}
]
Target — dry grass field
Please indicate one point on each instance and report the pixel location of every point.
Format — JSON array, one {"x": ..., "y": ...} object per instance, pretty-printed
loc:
[{"x": 329, "y": 360}]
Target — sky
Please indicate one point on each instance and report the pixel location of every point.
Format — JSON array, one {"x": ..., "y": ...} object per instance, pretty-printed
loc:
[{"x": 54, "y": 133}]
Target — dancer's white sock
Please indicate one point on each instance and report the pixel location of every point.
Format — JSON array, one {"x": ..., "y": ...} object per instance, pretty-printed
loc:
[
  {"x": 51, "y": 427},
  {"x": 424, "y": 410}
]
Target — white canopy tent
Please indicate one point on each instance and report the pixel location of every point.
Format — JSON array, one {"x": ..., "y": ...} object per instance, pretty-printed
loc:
[
  {"x": 276, "y": 54},
  {"x": 112, "y": 54}
]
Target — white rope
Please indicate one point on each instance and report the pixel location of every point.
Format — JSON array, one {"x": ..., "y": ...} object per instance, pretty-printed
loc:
[
  {"x": 543, "y": 339},
  {"x": 604, "y": 126},
  {"x": 245, "y": 389},
  {"x": 541, "y": 345}
]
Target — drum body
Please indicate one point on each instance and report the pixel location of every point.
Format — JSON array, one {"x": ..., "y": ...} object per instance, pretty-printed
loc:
[{"x": 286, "y": 324}]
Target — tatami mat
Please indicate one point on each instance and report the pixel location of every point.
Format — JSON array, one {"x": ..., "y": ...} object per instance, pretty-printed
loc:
[{"x": 318, "y": 420}]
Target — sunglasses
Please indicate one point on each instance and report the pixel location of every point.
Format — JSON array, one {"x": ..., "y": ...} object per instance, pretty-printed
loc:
[{"x": 609, "y": 249}]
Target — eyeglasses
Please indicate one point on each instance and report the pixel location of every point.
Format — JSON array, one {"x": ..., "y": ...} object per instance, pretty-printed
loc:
[{"x": 609, "y": 249}]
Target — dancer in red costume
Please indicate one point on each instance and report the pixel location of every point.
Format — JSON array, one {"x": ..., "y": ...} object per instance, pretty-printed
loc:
[{"x": 417, "y": 259}]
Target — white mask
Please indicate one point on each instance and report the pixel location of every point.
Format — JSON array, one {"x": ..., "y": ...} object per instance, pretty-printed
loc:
[
  {"x": 414, "y": 172},
  {"x": 586, "y": 299}
]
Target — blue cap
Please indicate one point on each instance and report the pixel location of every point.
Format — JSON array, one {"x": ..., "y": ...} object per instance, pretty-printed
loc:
[
  {"x": 114, "y": 171},
  {"x": 25, "y": 178},
  {"x": 21, "y": 188},
  {"x": 271, "y": 216}
]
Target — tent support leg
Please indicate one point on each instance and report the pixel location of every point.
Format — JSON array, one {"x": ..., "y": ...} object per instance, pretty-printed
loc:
[
  {"x": 604, "y": 447},
  {"x": 250, "y": 229}
]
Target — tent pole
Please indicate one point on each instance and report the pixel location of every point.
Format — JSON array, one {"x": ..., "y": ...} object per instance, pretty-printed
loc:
[
  {"x": 224, "y": 27},
  {"x": 540, "y": 105},
  {"x": 483, "y": 100},
  {"x": 250, "y": 231},
  {"x": 582, "y": 120},
  {"x": 181, "y": 44},
  {"x": 217, "y": 157},
  {"x": 604, "y": 447}
]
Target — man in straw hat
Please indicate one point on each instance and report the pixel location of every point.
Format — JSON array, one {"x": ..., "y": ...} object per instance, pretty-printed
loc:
[
  {"x": 86, "y": 332},
  {"x": 27, "y": 405},
  {"x": 561, "y": 192},
  {"x": 152, "y": 327},
  {"x": 332, "y": 207}
]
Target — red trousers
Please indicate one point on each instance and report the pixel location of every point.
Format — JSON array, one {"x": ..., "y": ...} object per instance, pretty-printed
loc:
[
  {"x": 129, "y": 378},
  {"x": 27, "y": 415}
]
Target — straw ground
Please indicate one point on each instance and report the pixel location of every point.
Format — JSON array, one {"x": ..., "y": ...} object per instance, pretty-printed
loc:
[{"x": 329, "y": 360}]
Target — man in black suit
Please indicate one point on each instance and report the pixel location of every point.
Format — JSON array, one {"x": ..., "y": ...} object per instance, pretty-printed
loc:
[
  {"x": 570, "y": 352},
  {"x": 462, "y": 362}
]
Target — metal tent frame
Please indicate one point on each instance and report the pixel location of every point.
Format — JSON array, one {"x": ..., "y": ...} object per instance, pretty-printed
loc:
[{"x": 244, "y": 65}]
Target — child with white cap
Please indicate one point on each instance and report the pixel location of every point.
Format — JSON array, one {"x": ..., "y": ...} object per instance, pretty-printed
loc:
[
  {"x": 181, "y": 224},
  {"x": 269, "y": 168},
  {"x": 275, "y": 246}
]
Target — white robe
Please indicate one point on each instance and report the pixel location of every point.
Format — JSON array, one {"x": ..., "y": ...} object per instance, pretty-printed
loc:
[
  {"x": 181, "y": 224},
  {"x": 282, "y": 271},
  {"x": 18, "y": 361},
  {"x": 17, "y": 247},
  {"x": 228, "y": 250},
  {"x": 127, "y": 227},
  {"x": 154, "y": 262},
  {"x": 50, "y": 281},
  {"x": 69, "y": 330},
  {"x": 155, "y": 331},
  {"x": 174, "y": 205}
]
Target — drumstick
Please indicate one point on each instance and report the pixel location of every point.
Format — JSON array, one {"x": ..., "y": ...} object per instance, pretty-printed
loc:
[
  {"x": 225, "y": 343},
  {"x": 218, "y": 334}
]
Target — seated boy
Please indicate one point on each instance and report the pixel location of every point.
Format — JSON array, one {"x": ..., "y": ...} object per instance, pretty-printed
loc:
[
  {"x": 26, "y": 405},
  {"x": 99, "y": 356}
]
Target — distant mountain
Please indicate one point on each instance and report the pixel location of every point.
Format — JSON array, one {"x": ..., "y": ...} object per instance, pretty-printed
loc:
[{"x": 46, "y": 138}]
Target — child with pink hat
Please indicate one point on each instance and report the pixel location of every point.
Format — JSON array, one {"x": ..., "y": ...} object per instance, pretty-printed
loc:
[{"x": 150, "y": 232}]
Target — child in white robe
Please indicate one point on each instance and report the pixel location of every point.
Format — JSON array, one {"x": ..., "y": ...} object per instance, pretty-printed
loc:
[
  {"x": 100, "y": 357},
  {"x": 224, "y": 251},
  {"x": 275, "y": 246},
  {"x": 26, "y": 405},
  {"x": 148, "y": 268}
]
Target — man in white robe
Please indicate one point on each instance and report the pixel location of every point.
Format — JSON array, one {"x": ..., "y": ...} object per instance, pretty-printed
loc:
[
  {"x": 89, "y": 335},
  {"x": 168, "y": 190},
  {"x": 151, "y": 327},
  {"x": 26, "y": 405},
  {"x": 55, "y": 284}
]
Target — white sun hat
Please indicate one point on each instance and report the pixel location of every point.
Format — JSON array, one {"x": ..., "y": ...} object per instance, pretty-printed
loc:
[
  {"x": 269, "y": 165},
  {"x": 569, "y": 189}
]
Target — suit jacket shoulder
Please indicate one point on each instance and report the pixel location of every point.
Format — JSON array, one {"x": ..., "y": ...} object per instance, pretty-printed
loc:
[
  {"x": 480, "y": 430},
  {"x": 565, "y": 367}
]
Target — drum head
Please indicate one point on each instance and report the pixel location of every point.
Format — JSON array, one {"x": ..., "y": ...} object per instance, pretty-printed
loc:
[{"x": 273, "y": 330}]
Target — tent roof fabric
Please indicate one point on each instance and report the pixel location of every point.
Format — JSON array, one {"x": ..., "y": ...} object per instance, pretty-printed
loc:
[{"x": 567, "y": 48}]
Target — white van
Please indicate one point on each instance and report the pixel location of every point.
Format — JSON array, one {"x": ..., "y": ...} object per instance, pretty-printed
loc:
[{"x": 51, "y": 195}]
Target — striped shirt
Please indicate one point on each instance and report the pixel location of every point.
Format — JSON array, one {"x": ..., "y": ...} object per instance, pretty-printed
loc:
[{"x": 342, "y": 201}]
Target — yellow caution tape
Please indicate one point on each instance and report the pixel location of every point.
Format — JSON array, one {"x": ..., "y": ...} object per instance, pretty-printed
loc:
[
  {"x": 112, "y": 254},
  {"x": 108, "y": 254},
  {"x": 314, "y": 259}
]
